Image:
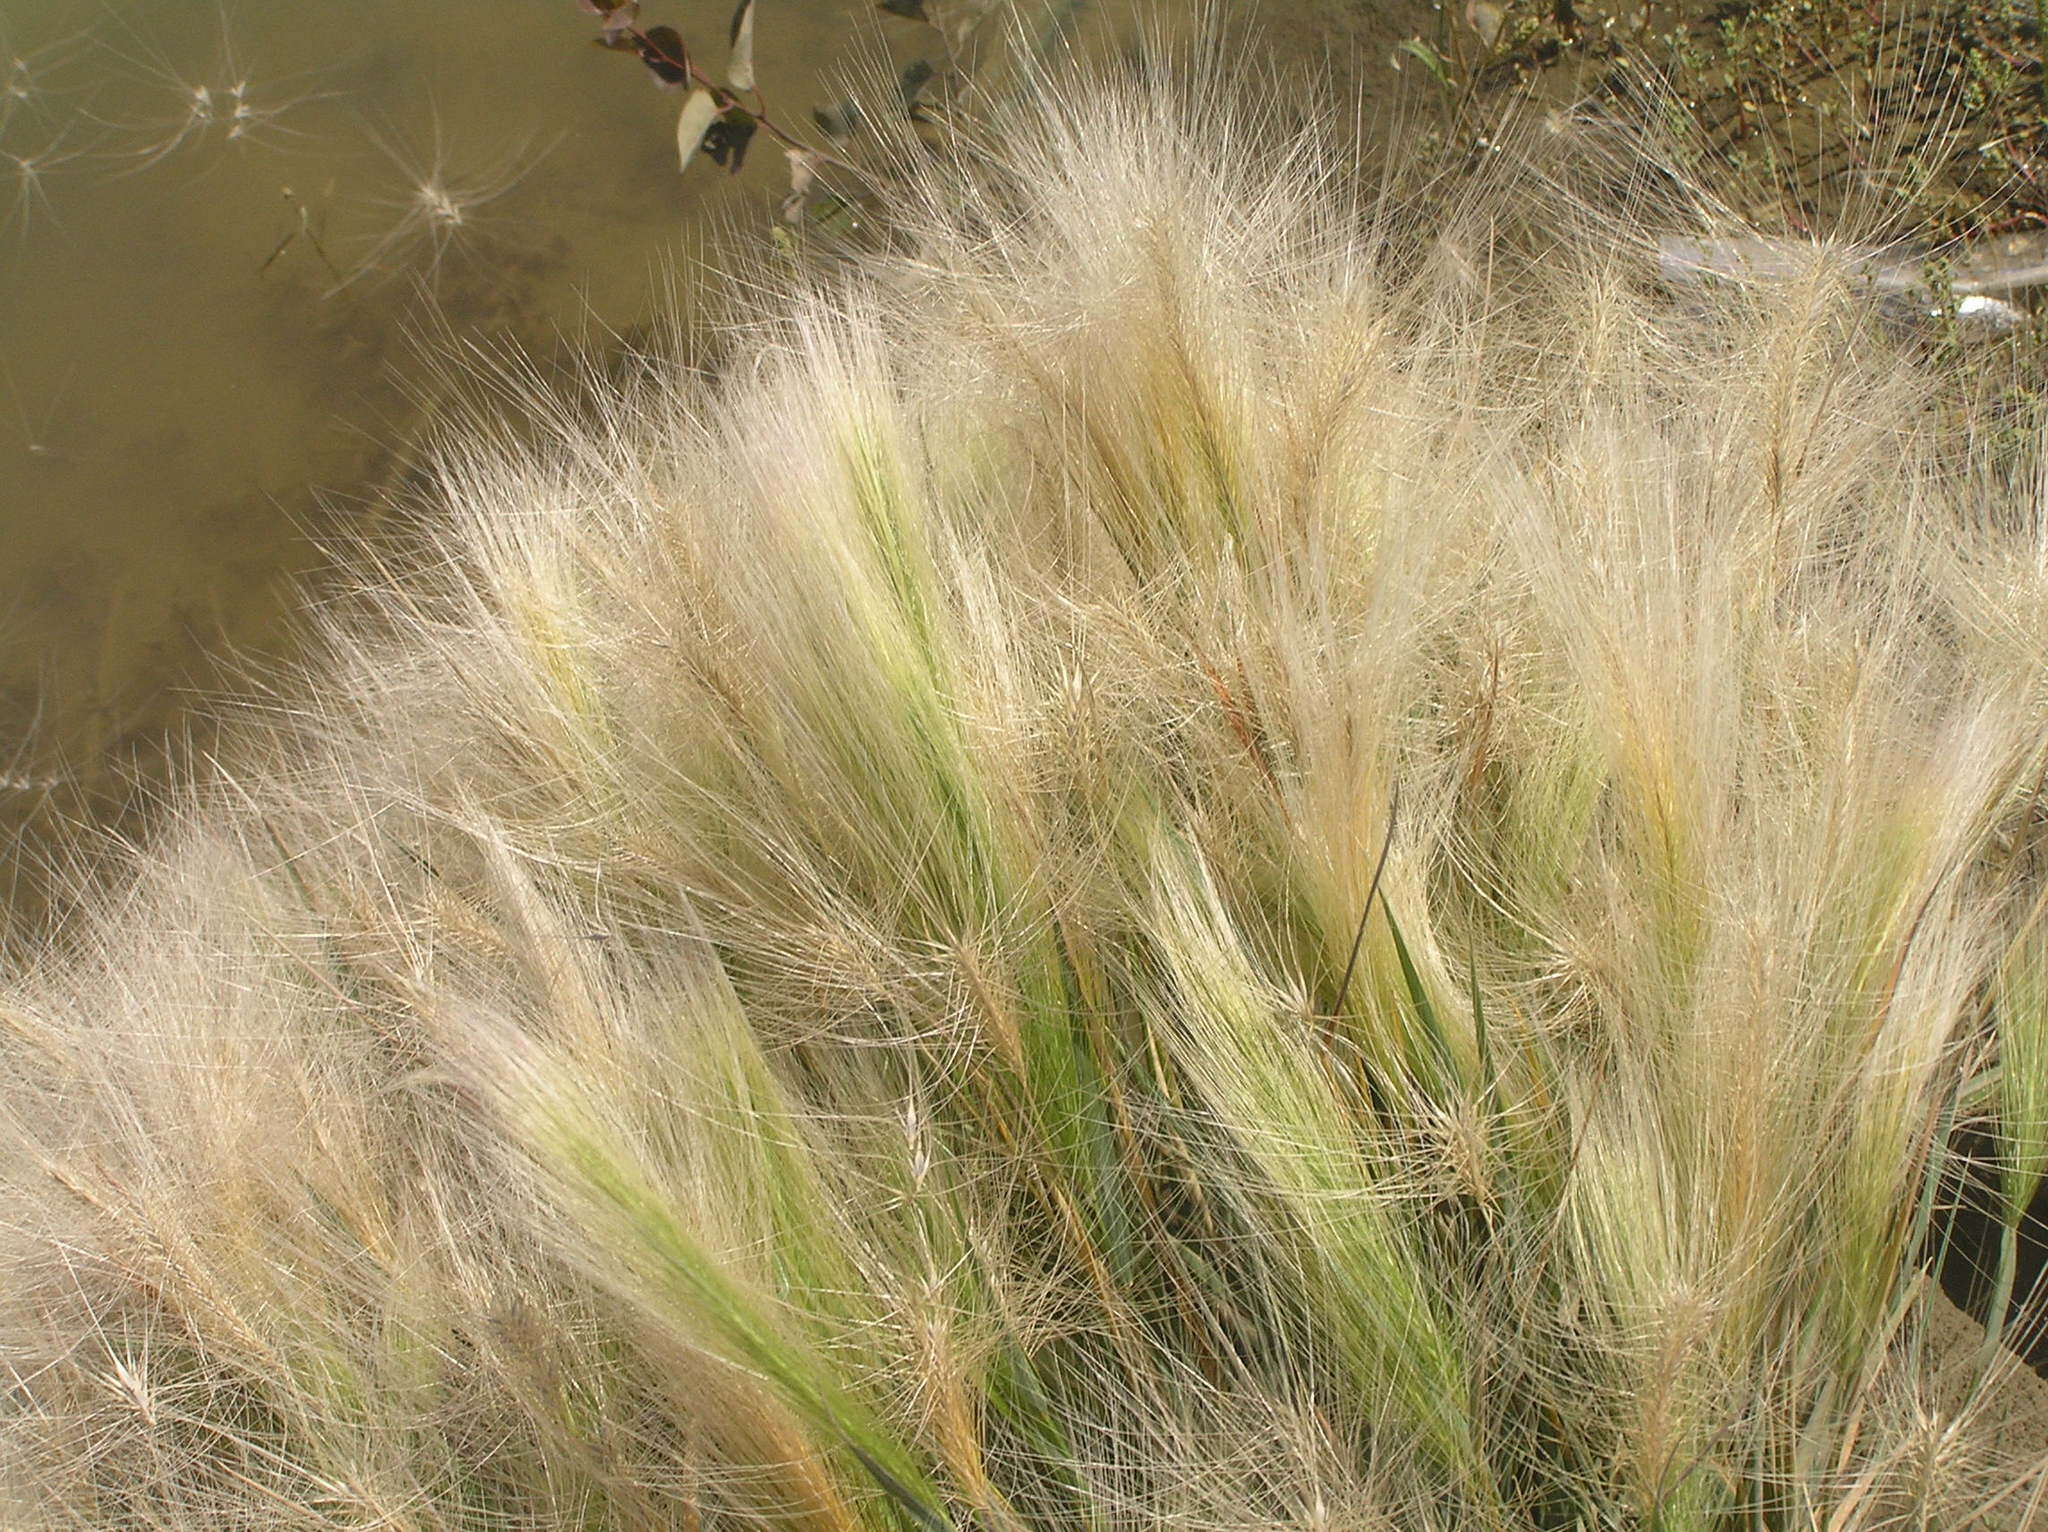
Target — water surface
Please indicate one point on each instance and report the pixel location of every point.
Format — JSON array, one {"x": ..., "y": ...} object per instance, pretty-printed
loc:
[{"x": 237, "y": 243}]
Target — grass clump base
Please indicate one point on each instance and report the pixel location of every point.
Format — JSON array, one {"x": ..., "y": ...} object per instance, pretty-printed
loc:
[{"x": 1207, "y": 849}]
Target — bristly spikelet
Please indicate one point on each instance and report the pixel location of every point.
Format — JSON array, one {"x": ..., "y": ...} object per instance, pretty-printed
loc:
[{"x": 1206, "y": 851}]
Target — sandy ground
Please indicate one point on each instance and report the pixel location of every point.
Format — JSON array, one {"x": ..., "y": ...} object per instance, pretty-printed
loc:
[{"x": 2011, "y": 1411}]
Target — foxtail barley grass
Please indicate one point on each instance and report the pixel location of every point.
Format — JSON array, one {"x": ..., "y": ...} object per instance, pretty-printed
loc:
[{"x": 1208, "y": 850}]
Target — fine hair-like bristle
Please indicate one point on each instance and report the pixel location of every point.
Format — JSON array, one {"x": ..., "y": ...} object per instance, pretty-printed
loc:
[{"x": 1216, "y": 847}]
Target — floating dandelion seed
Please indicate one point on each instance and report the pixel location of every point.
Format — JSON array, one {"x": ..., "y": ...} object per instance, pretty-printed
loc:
[
  {"x": 34, "y": 427},
  {"x": 29, "y": 77},
  {"x": 27, "y": 88},
  {"x": 26, "y": 175},
  {"x": 224, "y": 103},
  {"x": 440, "y": 211}
]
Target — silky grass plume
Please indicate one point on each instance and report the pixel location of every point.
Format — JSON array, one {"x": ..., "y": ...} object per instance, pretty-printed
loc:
[{"x": 1216, "y": 846}]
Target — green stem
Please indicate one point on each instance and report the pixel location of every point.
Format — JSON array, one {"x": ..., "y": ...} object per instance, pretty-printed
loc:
[{"x": 2008, "y": 1263}]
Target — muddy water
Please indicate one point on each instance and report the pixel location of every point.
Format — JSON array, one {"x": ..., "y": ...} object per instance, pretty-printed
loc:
[
  {"x": 227, "y": 289},
  {"x": 221, "y": 266}
]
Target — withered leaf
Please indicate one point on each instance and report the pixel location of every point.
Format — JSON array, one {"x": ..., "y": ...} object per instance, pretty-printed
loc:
[
  {"x": 739, "y": 66},
  {"x": 699, "y": 112},
  {"x": 803, "y": 172},
  {"x": 616, "y": 24}
]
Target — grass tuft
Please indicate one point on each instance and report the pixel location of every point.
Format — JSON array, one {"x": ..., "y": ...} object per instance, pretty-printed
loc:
[{"x": 839, "y": 951}]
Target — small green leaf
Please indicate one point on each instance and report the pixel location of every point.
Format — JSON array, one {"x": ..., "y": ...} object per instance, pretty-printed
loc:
[
  {"x": 1431, "y": 59},
  {"x": 1479, "y": 1025},
  {"x": 1418, "y": 995}
]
